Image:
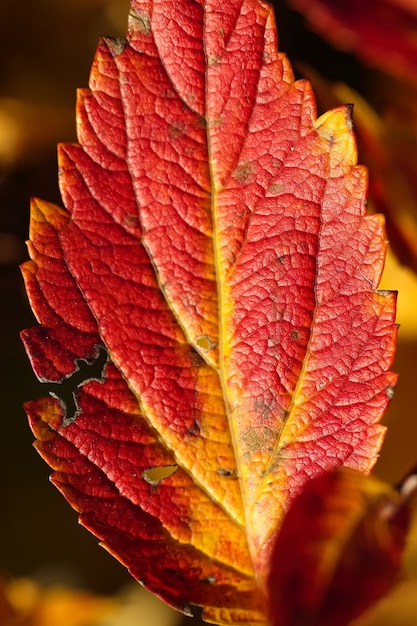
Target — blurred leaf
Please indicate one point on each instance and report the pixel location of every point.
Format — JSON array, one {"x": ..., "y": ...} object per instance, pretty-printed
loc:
[
  {"x": 388, "y": 147},
  {"x": 339, "y": 550},
  {"x": 381, "y": 32},
  {"x": 25, "y": 603}
]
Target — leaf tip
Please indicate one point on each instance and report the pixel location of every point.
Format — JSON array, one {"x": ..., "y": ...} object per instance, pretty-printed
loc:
[
  {"x": 335, "y": 127},
  {"x": 115, "y": 45}
]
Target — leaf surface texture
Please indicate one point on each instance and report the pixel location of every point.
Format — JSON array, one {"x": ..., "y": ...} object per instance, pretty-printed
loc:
[{"x": 214, "y": 242}]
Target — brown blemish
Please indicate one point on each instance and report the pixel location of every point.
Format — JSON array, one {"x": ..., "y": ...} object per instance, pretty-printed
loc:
[
  {"x": 201, "y": 122},
  {"x": 194, "y": 429},
  {"x": 242, "y": 172},
  {"x": 196, "y": 359},
  {"x": 262, "y": 408},
  {"x": 116, "y": 45},
  {"x": 143, "y": 22},
  {"x": 259, "y": 439},
  {"x": 227, "y": 473},
  {"x": 176, "y": 130},
  {"x": 213, "y": 60},
  {"x": 130, "y": 221},
  {"x": 276, "y": 188},
  {"x": 216, "y": 122}
]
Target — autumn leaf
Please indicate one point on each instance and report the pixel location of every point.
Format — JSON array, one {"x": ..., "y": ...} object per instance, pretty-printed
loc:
[
  {"x": 348, "y": 555},
  {"x": 387, "y": 141},
  {"x": 380, "y": 32},
  {"x": 207, "y": 300},
  {"x": 382, "y": 35}
]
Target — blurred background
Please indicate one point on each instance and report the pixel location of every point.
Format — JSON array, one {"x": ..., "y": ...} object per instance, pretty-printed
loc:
[{"x": 352, "y": 52}]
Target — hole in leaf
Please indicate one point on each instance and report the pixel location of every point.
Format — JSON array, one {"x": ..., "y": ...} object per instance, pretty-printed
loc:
[
  {"x": 205, "y": 343},
  {"x": 155, "y": 475},
  {"x": 85, "y": 371},
  {"x": 209, "y": 580}
]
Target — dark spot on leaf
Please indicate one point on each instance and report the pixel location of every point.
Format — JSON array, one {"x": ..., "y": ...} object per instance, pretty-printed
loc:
[
  {"x": 194, "y": 429},
  {"x": 349, "y": 117},
  {"x": 86, "y": 370},
  {"x": 201, "y": 122},
  {"x": 331, "y": 138},
  {"x": 295, "y": 335},
  {"x": 176, "y": 130},
  {"x": 175, "y": 572},
  {"x": 227, "y": 473},
  {"x": 196, "y": 359},
  {"x": 131, "y": 221},
  {"x": 155, "y": 475}
]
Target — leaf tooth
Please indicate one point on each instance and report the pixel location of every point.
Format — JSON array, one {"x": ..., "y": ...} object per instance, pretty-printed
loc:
[{"x": 335, "y": 127}]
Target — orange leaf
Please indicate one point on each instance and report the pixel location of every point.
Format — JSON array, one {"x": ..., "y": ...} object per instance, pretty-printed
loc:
[{"x": 214, "y": 249}]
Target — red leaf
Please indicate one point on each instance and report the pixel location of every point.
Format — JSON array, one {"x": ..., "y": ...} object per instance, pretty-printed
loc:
[
  {"x": 214, "y": 242},
  {"x": 381, "y": 32},
  {"x": 348, "y": 555},
  {"x": 388, "y": 156}
]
